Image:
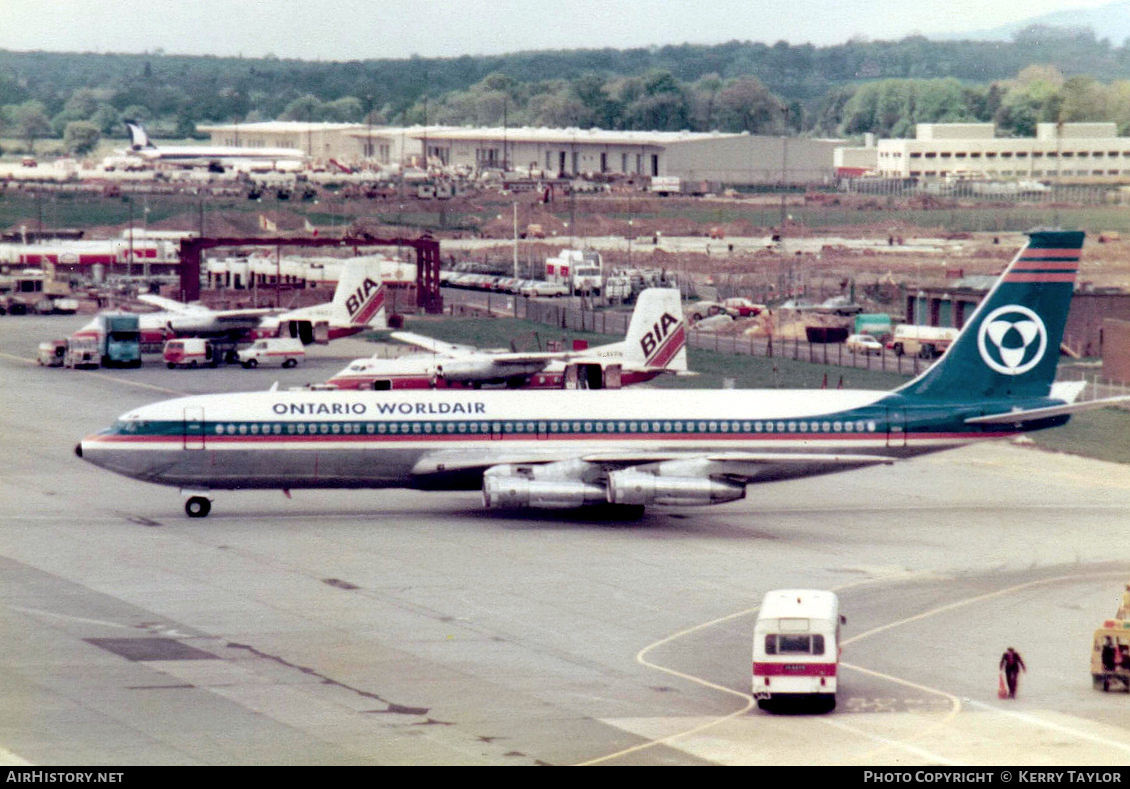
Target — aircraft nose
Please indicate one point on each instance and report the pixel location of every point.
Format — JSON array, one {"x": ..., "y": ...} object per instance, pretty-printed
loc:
[{"x": 78, "y": 449}]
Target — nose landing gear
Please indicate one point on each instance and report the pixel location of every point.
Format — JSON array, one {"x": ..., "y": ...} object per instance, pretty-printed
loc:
[{"x": 197, "y": 504}]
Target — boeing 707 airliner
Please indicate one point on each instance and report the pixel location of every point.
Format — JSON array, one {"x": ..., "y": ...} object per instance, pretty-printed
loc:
[{"x": 564, "y": 449}]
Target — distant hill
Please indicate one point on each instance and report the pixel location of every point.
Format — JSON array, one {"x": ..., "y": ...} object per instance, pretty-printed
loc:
[{"x": 1111, "y": 22}]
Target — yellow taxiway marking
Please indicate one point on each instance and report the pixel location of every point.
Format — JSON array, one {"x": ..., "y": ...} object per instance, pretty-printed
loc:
[
  {"x": 886, "y": 743},
  {"x": 138, "y": 384}
]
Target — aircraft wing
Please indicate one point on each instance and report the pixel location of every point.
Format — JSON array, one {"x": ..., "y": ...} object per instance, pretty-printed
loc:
[
  {"x": 433, "y": 345},
  {"x": 172, "y": 305},
  {"x": 729, "y": 464}
]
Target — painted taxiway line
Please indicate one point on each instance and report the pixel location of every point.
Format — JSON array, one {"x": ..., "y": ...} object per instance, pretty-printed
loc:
[
  {"x": 138, "y": 384},
  {"x": 907, "y": 745}
]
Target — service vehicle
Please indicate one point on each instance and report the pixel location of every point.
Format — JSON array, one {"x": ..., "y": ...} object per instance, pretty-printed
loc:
[
  {"x": 190, "y": 352},
  {"x": 925, "y": 342},
  {"x": 863, "y": 343},
  {"x": 52, "y": 353},
  {"x": 581, "y": 270},
  {"x": 281, "y": 351},
  {"x": 796, "y": 648},
  {"x": 82, "y": 351},
  {"x": 1110, "y": 656}
]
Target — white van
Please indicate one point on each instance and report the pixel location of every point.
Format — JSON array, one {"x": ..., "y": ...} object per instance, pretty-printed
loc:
[
  {"x": 796, "y": 648},
  {"x": 282, "y": 351},
  {"x": 189, "y": 352}
]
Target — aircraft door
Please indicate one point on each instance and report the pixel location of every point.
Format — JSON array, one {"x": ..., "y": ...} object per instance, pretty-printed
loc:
[
  {"x": 896, "y": 427},
  {"x": 194, "y": 427},
  {"x": 572, "y": 376},
  {"x": 612, "y": 376},
  {"x": 321, "y": 333}
]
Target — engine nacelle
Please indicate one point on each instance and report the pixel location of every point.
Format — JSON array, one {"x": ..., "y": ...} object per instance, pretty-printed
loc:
[
  {"x": 506, "y": 491},
  {"x": 636, "y": 487}
]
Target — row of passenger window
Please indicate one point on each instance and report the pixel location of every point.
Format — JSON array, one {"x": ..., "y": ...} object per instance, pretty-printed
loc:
[{"x": 553, "y": 427}]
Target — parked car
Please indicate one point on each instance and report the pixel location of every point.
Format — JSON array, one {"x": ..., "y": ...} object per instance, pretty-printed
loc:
[
  {"x": 741, "y": 307},
  {"x": 863, "y": 343},
  {"x": 698, "y": 310},
  {"x": 543, "y": 288}
]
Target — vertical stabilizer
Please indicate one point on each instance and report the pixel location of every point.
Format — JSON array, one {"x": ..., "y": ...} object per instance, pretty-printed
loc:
[
  {"x": 1009, "y": 347},
  {"x": 138, "y": 138},
  {"x": 359, "y": 300},
  {"x": 657, "y": 335}
]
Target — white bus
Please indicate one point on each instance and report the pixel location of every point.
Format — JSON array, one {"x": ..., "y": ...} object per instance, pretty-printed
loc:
[{"x": 796, "y": 648}]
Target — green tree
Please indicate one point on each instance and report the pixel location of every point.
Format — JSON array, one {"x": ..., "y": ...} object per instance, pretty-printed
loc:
[
  {"x": 747, "y": 105},
  {"x": 31, "y": 123},
  {"x": 81, "y": 137}
]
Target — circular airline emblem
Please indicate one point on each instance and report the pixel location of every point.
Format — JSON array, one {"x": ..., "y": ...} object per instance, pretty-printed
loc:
[{"x": 1012, "y": 339}]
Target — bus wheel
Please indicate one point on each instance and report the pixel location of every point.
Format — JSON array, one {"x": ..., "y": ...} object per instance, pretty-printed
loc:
[
  {"x": 197, "y": 507},
  {"x": 765, "y": 704}
]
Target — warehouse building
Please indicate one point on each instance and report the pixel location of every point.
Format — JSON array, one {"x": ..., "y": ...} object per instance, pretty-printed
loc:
[
  {"x": 1070, "y": 152},
  {"x": 731, "y": 159}
]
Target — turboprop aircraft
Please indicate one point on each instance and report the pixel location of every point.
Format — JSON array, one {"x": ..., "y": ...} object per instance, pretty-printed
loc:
[
  {"x": 632, "y": 447},
  {"x": 358, "y": 305},
  {"x": 655, "y": 344}
]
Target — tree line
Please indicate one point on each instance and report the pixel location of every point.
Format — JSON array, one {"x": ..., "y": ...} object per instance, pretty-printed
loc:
[{"x": 1044, "y": 74}]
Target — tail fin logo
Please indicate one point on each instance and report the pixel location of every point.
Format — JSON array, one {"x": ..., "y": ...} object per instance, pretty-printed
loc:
[
  {"x": 652, "y": 339},
  {"x": 360, "y": 299},
  {"x": 1012, "y": 339}
]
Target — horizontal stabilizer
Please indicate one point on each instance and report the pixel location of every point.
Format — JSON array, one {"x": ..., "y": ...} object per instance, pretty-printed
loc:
[{"x": 1033, "y": 414}]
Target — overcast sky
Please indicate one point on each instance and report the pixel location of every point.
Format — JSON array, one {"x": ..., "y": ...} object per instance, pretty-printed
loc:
[{"x": 364, "y": 29}]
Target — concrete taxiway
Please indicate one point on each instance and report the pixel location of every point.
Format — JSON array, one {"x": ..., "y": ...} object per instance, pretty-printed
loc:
[{"x": 378, "y": 627}]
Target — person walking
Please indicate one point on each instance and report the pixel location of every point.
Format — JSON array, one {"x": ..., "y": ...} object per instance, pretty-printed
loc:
[{"x": 1012, "y": 664}]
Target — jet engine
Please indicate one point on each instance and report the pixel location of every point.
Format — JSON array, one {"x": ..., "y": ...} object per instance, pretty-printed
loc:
[
  {"x": 561, "y": 485},
  {"x": 637, "y": 487}
]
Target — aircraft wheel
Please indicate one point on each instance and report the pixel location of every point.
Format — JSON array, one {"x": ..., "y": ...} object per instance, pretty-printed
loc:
[{"x": 197, "y": 507}]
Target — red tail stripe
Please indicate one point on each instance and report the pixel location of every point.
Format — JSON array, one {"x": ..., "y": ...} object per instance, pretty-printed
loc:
[
  {"x": 370, "y": 308},
  {"x": 1022, "y": 276},
  {"x": 669, "y": 349}
]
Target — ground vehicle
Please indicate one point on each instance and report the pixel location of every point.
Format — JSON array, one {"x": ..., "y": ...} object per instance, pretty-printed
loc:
[
  {"x": 796, "y": 647},
  {"x": 1110, "y": 655},
  {"x": 581, "y": 270},
  {"x": 741, "y": 307},
  {"x": 543, "y": 288},
  {"x": 283, "y": 351},
  {"x": 190, "y": 352},
  {"x": 82, "y": 351},
  {"x": 700, "y": 310},
  {"x": 863, "y": 343},
  {"x": 114, "y": 337},
  {"x": 926, "y": 342},
  {"x": 52, "y": 353}
]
